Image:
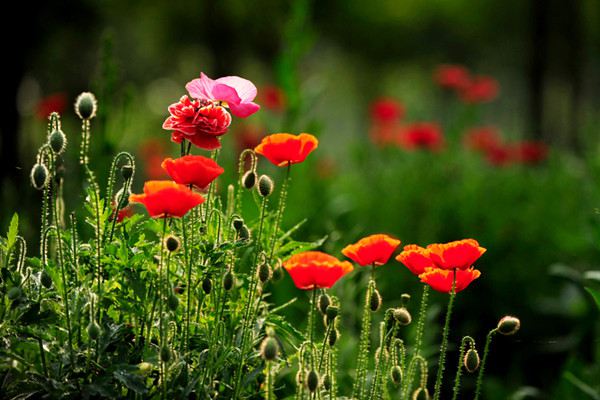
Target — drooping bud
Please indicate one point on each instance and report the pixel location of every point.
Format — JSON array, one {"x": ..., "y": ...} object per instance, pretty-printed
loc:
[
  {"x": 375, "y": 300},
  {"x": 509, "y": 325},
  {"x": 244, "y": 233},
  {"x": 46, "y": 279},
  {"x": 57, "y": 141},
  {"x": 237, "y": 223},
  {"x": 249, "y": 179},
  {"x": 312, "y": 381},
  {"x": 93, "y": 330},
  {"x": 127, "y": 171},
  {"x": 402, "y": 316},
  {"x": 421, "y": 394},
  {"x": 333, "y": 337},
  {"x": 264, "y": 272},
  {"x": 331, "y": 312},
  {"x": 265, "y": 186},
  {"x": 173, "y": 302},
  {"x": 228, "y": 280},
  {"x": 39, "y": 176},
  {"x": 396, "y": 375},
  {"x": 471, "y": 360},
  {"x": 165, "y": 353},
  {"x": 324, "y": 302},
  {"x": 86, "y": 106},
  {"x": 207, "y": 285},
  {"x": 269, "y": 349},
  {"x": 172, "y": 243}
]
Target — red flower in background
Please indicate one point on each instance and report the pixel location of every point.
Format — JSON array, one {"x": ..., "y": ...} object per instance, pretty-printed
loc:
[
  {"x": 316, "y": 270},
  {"x": 500, "y": 155},
  {"x": 373, "y": 249},
  {"x": 192, "y": 170},
  {"x": 460, "y": 254},
  {"x": 482, "y": 138},
  {"x": 384, "y": 134},
  {"x": 284, "y": 148},
  {"x": 481, "y": 89},
  {"x": 421, "y": 135},
  {"x": 152, "y": 153},
  {"x": 272, "y": 97},
  {"x": 531, "y": 152},
  {"x": 454, "y": 77},
  {"x": 386, "y": 110},
  {"x": 124, "y": 212},
  {"x": 415, "y": 258},
  {"x": 247, "y": 136},
  {"x": 441, "y": 279},
  {"x": 167, "y": 199},
  {"x": 56, "y": 102},
  {"x": 198, "y": 121}
]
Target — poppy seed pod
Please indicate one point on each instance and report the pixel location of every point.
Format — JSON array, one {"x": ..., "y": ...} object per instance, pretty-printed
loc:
[
  {"x": 396, "y": 375},
  {"x": 509, "y": 325},
  {"x": 244, "y": 233},
  {"x": 324, "y": 302},
  {"x": 172, "y": 243},
  {"x": 333, "y": 337},
  {"x": 249, "y": 179},
  {"x": 57, "y": 141},
  {"x": 402, "y": 316},
  {"x": 264, "y": 272},
  {"x": 269, "y": 349},
  {"x": 86, "y": 106},
  {"x": 207, "y": 285},
  {"x": 312, "y": 381},
  {"x": 127, "y": 171},
  {"x": 228, "y": 280},
  {"x": 331, "y": 312},
  {"x": 375, "y": 300},
  {"x": 265, "y": 186},
  {"x": 471, "y": 360},
  {"x": 237, "y": 223},
  {"x": 93, "y": 330},
  {"x": 326, "y": 382},
  {"x": 165, "y": 353},
  {"x": 39, "y": 176}
]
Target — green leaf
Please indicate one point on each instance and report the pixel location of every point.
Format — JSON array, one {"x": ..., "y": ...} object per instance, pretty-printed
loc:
[
  {"x": 595, "y": 294},
  {"x": 13, "y": 229},
  {"x": 132, "y": 381}
]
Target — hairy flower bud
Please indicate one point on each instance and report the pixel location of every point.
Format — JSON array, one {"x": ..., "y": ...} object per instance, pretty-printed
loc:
[
  {"x": 331, "y": 312},
  {"x": 396, "y": 375},
  {"x": 265, "y": 186},
  {"x": 207, "y": 285},
  {"x": 57, "y": 141},
  {"x": 127, "y": 171},
  {"x": 269, "y": 349},
  {"x": 326, "y": 382},
  {"x": 509, "y": 325},
  {"x": 86, "y": 106},
  {"x": 39, "y": 176},
  {"x": 312, "y": 381},
  {"x": 237, "y": 223},
  {"x": 471, "y": 360},
  {"x": 277, "y": 274},
  {"x": 244, "y": 233},
  {"x": 228, "y": 280},
  {"x": 375, "y": 300},
  {"x": 333, "y": 337},
  {"x": 46, "y": 279},
  {"x": 93, "y": 330},
  {"x": 264, "y": 272},
  {"x": 249, "y": 179},
  {"x": 402, "y": 316},
  {"x": 324, "y": 302},
  {"x": 172, "y": 243}
]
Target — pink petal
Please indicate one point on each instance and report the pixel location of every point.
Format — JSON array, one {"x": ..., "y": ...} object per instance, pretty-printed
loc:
[
  {"x": 225, "y": 93},
  {"x": 244, "y": 88},
  {"x": 243, "y": 110},
  {"x": 201, "y": 88}
]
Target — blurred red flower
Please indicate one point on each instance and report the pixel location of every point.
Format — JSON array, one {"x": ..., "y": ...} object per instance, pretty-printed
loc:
[
  {"x": 152, "y": 152},
  {"x": 316, "y": 270},
  {"x": 441, "y": 279},
  {"x": 56, "y": 102},
  {"x": 167, "y": 199},
  {"x": 421, "y": 135},
  {"x": 124, "y": 212},
  {"x": 192, "y": 170},
  {"x": 449, "y": 76},
  {"x": 199, "y": 121},
  {"x": 460, "y": 254},
  {"x": 385, "y": 110},
  {"x": 482, "y": 138},
  {"x": 284, "y": 148},
  {"x": 415, "y": 258},
  {"x": 384, "y": 134},
  {"x": 371, "y": 250},
  {"x": 480, "y": 89},
  {"x": 531, "y": 152},
  {"x": 272, "y": 97},
  {"x": 247, "y": 136},
  {"x": 500, "y": 155}
]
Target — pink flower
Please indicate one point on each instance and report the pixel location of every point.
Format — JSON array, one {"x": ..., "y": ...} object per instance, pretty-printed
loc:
[{"x": 237, "y": 92}]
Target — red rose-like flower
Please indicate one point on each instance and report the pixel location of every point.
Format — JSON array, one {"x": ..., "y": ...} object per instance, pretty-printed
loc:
[
  {"x": 531, "y": 152},
  {"x": 441, "y": 279},
  {"x": 284, "y": 148},
  {"x": 374, "y": 249},
  {"x": 199, "y": 121},
  {"x": 192, "y": 170},
  {"x": 316, "y": 270},
  {"x": 459, "y": 254},
  {"x": 167, "y": 199},
  {"x": 415, "y": 258},
  {"x": 421, "y": 135},
  {"x": 386, "y": 110},
  {"x": 482, "y": 138},
  {"x": 480, "y": 89},
  {"x": 455, "y": 77}
]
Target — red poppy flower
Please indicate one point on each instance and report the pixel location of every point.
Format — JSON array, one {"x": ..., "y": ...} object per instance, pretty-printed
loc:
[
  {"x": 284, "y": 148},
  {"x": 56, "y": 102},
  {"x": 199, "y": 121},
  {"x": 167, "y": 199},
  {"x": 455, "y": 77},
  {"x": 421, "y": 135},
  {"x": 500, "y": 155},
  {"x": 480, "y": 89},
  {"x": 374, "y": 249},
  {"x": 459, "y": 254},
  {"x": 415, "y": 258},
  {"x": 531, "y": 152},
  {"x": 386, "y": 110},
  {"x": 482, "y": 138},
  {"x": 272, "y": 97},
  {"x": 192, "y": 170},
  {"x": 316, "y": 270},
  {"x": 441, "y": 279}
]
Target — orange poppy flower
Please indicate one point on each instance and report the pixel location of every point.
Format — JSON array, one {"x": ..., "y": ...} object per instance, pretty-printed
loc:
[
  {"x": 441, "y": 279},
  {"x": 415, "y": 258},
  {"x": 374, "y": 249},
  {"x": 284, "y": 148},
  {"x": 314, "y": 269},
  {"x": 459, "y": 254},
  {"x": 167, "y": 199},
  {"x": 192, "y": 170}
]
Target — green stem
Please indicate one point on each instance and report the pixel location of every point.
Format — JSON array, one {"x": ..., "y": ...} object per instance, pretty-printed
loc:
[
  {"x": 486, "y": 350},
  {"x": 444, "y": 345},
  {"x": 358, "y": 390},
  {"x": 161, "y": 294},
  {"x": 187, "y": 252},
  {"x": 461, "y": 355},
  {"x": 280, "y": 208},
  {"x": 311, "y": 325},
  {"x": 419, "y": 335}
]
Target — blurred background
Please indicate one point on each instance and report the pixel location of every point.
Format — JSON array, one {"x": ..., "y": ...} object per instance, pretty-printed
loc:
[{"x": 437, "y": 121}]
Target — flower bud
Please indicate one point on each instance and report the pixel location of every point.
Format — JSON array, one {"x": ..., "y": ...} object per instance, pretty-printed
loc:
[
  {"x": 173, "y": 302},
  {"x": 509, "y": 325},
  {"x": 264, "y": 272},
  {"x": 396, "y": 375},
  {"x": 324, "y": 302},
  {"x": 326, "y": 382},
  {"x": 277, "y": 274},
  {"x": 249, "y": 179},
  {"x": 86, "y": 106},
  {"x": 237, "y": 223},
  {"x": 57, "y": 141},
  {"x": 265, "y": 186},
  {"x": 421, "y": 394},
  {"x": 375, "y": 300},
  {"x": 46, "y": 279},
  {"x": 165, "y": 353},
  {"x": 312, "y": 381},
  {"x": 471, "y": 360},
  {"x": 14, "y": 293},
  {"x": 244, "y": 233},
  {"x": 127, "y": 171},
  {"x": 228, "y": 280},
  {"x": 402, "y": 316},
  {"x": 332, "y": 312},
  {"x": 172, "y": 243},
  {"x": 333, "y": 337},
  {"x": 269, "y": 349},
  {"x": 207, "y": 285},
  {"x": 39, "y": 176},
  {"x": 93, "y": 330}
]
